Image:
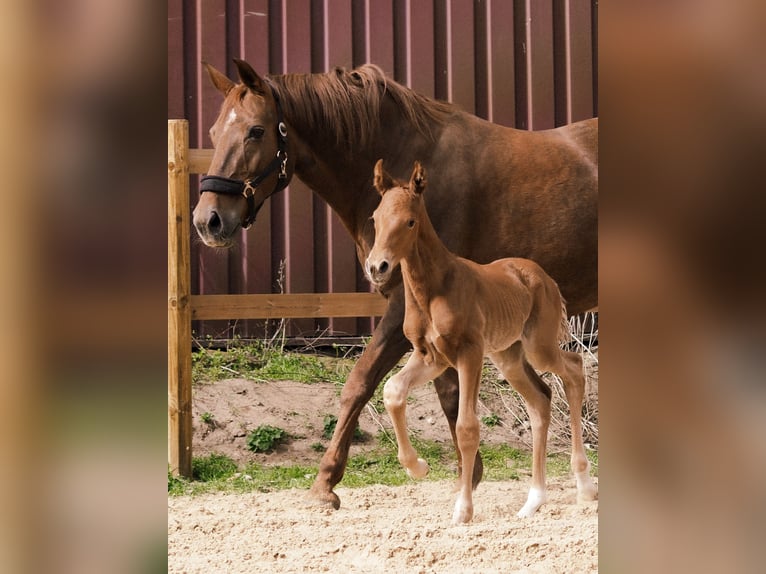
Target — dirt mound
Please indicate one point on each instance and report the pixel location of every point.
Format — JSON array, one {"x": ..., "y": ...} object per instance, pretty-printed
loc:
[{"x": 234, "y": 407}]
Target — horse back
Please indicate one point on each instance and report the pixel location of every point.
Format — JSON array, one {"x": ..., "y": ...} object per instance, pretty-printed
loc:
[{"x": 498, "y": 192}]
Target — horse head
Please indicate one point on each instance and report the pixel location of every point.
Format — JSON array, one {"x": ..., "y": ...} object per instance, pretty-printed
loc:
[
  {"x": 250, "y": 161},
  {"x": 396, "y": 220}
]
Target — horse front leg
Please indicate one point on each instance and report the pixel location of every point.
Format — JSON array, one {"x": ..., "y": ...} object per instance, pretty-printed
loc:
[
  {"x": 447, "y": 388},
  {"x": 395, "y": 393},
  {"x": 387, "y": 346}
]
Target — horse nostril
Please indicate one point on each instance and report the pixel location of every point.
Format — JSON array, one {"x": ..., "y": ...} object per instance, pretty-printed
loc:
[
  {"x": 383, "y": 267},
  {"x": 214, "y": 222}
]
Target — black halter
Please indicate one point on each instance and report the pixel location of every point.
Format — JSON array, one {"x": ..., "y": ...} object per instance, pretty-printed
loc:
[{"x": 218, "y": 184}]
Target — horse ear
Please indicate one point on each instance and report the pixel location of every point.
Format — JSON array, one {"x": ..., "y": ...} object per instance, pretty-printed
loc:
[
  {"x": 418, "y": 179},
  {"x": 220, "y": 81},
  {"x": 249, "y": 77},
  {"x": 382, "y": 180}
]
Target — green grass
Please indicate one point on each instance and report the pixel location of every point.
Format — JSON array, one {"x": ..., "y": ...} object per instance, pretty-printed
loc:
[
  {"x": 266, "y": 361},
  {"x": 219, "y": 473},
  {"x": 262, "y": 361},
  {"x": 491, "y": 420}
]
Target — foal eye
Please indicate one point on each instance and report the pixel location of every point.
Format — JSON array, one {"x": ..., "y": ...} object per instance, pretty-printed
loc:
[
  {"x": 411, "y": 223},
  {"x": 255, "y": 132}
]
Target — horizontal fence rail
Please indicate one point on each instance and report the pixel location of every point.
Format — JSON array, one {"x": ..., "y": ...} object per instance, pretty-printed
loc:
[
  {"x": 183, "y": 307},
  {"x": 287, "y": 305}
]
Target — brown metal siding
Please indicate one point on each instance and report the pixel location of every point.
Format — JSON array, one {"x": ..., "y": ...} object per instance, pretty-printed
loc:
[{"x": 529, "y": 64}]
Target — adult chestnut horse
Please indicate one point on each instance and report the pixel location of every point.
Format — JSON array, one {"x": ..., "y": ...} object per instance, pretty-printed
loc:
[
  {"x": 497, "y": 192},
  {"x": 456, "y": 313}
]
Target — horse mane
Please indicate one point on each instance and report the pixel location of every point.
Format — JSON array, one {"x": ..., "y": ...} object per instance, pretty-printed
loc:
[{"x": 347, "y": 104}]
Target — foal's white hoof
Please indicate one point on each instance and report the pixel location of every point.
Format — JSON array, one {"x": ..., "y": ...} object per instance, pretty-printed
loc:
[
  {"x": 535, "y": 500},
  {"x": 588, "y": 494},
  {"x": 587, "y": 491},
  {"x": 462, "y": 514},
  {"x": 419, "y": 469}
]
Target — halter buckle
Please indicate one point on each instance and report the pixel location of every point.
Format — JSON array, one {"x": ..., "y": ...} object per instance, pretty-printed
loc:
[{"x": 283, "y": 165}]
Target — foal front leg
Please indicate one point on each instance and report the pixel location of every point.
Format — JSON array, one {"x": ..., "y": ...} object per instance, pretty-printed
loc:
[
  {"x": 467, "y": 429},
  {"x": 447, "y": 387},
  {"x": 395, "y": 393}
]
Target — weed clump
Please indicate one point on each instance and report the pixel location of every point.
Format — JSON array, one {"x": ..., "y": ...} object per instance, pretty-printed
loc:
[{"x": 265, "y": 438}]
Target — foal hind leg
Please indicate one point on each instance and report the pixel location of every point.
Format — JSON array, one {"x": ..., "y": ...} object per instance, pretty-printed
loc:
[
  {"x": 571, "y": 374},
  {"x": 395, "y": 393},
  {"x": 568, "y": 366},
  {"x": 537, "y": 397}
]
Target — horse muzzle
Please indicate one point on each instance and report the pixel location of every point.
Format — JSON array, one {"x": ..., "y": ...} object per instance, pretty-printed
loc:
[{"x": 215, "y": 225}]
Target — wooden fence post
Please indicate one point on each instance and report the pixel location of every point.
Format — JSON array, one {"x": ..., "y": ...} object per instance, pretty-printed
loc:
[{"x": 179, "y": 301}]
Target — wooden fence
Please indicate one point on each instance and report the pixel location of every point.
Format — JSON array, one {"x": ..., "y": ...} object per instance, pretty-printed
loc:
[{"x": 183, "y": 307}]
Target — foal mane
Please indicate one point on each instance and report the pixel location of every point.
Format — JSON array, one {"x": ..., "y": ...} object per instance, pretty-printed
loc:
[{"x": 347, "y": 104}]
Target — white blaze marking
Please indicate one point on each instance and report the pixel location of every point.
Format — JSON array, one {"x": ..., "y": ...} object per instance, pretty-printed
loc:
[{"x": 230, "y": 119}]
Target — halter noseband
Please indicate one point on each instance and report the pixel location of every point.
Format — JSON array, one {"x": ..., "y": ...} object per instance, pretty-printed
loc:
[{"x": 218, "y": 184}]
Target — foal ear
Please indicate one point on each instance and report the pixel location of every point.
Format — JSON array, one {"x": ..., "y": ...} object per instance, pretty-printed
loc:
[
  {"x": 220, "y": 81},
  {"x": 383, "y": 181},
  {"x": 418, "y": 179},
  {"x": 249, "y": 77}
]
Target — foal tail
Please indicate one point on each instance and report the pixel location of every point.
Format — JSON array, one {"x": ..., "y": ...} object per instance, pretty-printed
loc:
[
  {"x": 565, "y": 333},
  {"x": 548, "y": 296}
]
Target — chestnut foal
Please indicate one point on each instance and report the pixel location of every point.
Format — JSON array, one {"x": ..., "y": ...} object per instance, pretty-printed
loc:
[{"x": 456, "y": 313}]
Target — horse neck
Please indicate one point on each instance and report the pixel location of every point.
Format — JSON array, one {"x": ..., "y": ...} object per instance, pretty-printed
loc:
[
  {"x": 343, "y": 178},
  {"x": 427, "y": 264}
]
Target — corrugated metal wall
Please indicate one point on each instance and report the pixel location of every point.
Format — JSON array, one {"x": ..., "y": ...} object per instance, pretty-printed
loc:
[{"x": 529, "y": 64}]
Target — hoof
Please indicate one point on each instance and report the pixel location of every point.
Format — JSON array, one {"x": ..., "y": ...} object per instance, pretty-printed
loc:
[
  {"x": 535, "y": 500},
  {"x": 587, "y": 491},
  {"x": 324, "y": 499},
  {"x": 587, "y": 495},
  {"x": 462, "y": 515},
  {"x": 419, "y": 470}
]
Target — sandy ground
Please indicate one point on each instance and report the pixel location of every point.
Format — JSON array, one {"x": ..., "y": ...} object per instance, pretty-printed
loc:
[
  {"x": 377, "y": 529},
  {"x": 383, "y": 529}
]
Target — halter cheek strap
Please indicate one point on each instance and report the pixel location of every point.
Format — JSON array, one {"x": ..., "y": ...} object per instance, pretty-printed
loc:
[{"x": 247, "y": 188}]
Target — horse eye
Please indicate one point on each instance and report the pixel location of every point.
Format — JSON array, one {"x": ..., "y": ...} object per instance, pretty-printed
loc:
[
  {"x": 255, "y": 132},
  {"x": 411, "y": 223}
]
